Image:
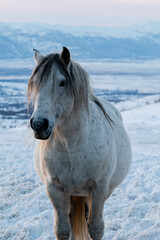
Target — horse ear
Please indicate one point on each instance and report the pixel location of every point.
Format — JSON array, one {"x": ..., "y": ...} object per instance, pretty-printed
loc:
[
  {"x": 38, "y": 57},
  {"x": 65, "y": 56}
]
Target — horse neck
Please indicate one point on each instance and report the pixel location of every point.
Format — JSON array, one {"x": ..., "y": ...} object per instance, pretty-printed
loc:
[{"x": 73, "y": 128}]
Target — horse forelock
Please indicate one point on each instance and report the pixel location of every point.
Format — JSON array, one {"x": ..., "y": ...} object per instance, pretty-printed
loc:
[
  {"x": 77, "y": 78},
  {"x": 40, "y": 74}
]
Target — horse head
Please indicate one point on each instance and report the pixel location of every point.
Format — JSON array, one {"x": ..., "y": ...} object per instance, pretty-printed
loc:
[{"x": 59, "y": 86}]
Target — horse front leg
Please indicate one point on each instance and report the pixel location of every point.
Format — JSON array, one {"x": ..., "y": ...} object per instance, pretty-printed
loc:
[
  {"x": 61, "y": 204},
  {"x": 96, "y": 223}
]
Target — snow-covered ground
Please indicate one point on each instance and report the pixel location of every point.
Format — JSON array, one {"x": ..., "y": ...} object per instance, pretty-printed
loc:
[{"x": 133, "y": 210}]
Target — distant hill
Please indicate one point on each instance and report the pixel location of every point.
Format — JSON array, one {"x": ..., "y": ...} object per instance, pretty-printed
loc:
[{"x": 85, "y": 42}]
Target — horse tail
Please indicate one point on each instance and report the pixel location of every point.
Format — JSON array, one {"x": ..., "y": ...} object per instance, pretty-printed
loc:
[{"x": 80, "y": 218}]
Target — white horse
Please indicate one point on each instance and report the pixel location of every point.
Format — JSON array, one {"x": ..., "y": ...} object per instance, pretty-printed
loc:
[{"x": 83, "y": 151}]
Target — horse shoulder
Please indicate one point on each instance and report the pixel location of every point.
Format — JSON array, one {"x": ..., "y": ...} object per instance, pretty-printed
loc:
[
  {"x": 101, "y": 138},
  {"x": 122, "y": 145}
]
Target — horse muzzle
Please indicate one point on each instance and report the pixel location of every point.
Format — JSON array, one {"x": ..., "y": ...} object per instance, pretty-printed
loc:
[{"x": 41, "y": 128}]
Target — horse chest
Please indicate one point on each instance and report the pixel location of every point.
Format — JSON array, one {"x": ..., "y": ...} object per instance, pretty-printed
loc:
[{"x": 76, "y": 173}]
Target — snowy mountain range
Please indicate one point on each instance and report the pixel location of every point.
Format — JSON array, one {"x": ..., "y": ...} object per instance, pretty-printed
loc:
[{"x": 85, "y": 42}]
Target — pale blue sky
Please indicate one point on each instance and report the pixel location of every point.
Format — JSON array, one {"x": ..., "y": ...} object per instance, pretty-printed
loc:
[{"x": 83, "y": 12}]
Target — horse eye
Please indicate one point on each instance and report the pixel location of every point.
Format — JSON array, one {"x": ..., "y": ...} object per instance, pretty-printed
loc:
[{"x": 62, "y": 83}]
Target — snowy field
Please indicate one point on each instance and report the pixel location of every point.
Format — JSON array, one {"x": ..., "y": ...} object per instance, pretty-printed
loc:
[{"x": 133, "y": 210}]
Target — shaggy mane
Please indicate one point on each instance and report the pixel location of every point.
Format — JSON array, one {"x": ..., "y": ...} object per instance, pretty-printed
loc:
[{"x": 77, "y": 77}]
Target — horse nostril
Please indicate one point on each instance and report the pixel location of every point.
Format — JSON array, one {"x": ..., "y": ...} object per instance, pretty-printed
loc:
[
  {"x": 40, "y": 125},
  {"x": 45, "y": 124}
]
